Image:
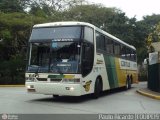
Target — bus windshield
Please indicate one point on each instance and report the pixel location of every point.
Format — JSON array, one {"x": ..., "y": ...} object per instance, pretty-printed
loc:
[{"x": 56, "y": 57}]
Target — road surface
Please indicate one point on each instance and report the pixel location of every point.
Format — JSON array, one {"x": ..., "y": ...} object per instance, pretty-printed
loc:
[{"x": 16, "y": 100}]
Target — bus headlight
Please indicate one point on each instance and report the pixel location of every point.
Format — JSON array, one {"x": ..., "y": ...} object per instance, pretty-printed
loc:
[
  {"x": 77, "y": 80},
  {"x": 30, "y": 79}
]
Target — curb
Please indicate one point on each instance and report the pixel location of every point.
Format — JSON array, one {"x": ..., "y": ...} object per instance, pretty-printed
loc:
[
  {"x": 149, "y": 94},
  {"x": 12, "y": 85}
]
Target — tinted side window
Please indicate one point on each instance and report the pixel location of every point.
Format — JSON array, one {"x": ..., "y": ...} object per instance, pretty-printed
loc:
[
  {"x": 133, "y": 55},
  {"x": 100, "y": 41},
  {"x": 109, "y": 45},
  {"x": 116, "y": 49},
  {"x": 128, "y": 53},
  {"x": 123, "y": 51}
]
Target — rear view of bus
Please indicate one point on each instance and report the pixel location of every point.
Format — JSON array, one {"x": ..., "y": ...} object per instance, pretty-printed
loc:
[{"x": 63, "y": 60}]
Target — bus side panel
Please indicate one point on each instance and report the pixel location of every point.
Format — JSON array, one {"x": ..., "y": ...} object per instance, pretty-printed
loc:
[
  {"x": 100, "y": 70},
  {"x": 124, "y": 69},
  {"x": 117, "y": 72},
  {"x": 121, "y": 73},
  {"x": 88, "y": 82},
  {"x": 134, "y": 75},
  {"x": 111, "y": 71}
]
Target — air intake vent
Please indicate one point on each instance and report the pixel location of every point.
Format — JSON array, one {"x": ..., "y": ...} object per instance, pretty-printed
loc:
[
  {"x": 55, "y": 80},
  {"x": 42, "y": 79}
]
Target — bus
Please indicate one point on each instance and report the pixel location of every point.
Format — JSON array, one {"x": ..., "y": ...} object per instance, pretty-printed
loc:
[{"x": 77, "y": 58}]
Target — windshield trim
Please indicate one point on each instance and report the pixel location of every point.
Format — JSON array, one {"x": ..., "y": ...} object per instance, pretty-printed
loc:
[
  {"x": 38, "y": 40},
  {"x": 57, "y": 40}
]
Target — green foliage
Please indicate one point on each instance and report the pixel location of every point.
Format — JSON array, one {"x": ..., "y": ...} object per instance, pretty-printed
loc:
[
  {"x": 12, "y": 71},
  {"x": 154, "y": 36},
  {"x": 10, "y": 6},
  {"x": 37, "y": 11},
  {"x": 151, "y": 21},
  {"x": 94, "y": 14},
  {"x": 6, "y": 34},
  {"x": 15, "y": 29}
]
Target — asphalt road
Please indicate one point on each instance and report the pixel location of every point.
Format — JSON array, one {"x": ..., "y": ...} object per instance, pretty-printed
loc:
[{"x": 16, "y": 100}]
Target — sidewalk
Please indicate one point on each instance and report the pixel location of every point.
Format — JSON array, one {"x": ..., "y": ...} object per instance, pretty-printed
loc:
[
  {"x": 149, "y": 93},
  {"x": 12, "y": 85}
]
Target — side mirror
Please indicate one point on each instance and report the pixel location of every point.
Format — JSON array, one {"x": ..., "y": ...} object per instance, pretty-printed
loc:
[{"x": 146, "y": 61}]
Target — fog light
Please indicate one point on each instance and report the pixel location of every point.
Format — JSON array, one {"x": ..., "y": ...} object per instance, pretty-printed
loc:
[
  {"x": 70, "y": 88},
  {"x": 28, "y": 86}
]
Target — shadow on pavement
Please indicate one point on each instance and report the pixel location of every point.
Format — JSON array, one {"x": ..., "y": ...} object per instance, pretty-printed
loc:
[{"x": 78, "y": 99}]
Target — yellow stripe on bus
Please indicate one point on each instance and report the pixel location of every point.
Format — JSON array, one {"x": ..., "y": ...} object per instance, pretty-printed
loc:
[
  {"x": 120, "y": 73},
  {"x": 69, "y": 76}
]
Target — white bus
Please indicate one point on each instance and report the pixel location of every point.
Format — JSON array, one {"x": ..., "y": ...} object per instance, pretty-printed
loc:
[{"x": 77, "y": 58}]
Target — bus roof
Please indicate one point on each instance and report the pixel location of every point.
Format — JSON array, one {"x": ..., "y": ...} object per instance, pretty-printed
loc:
[
  {"x": 69, "y": 23},
  {"x": 65, "y": 23}
]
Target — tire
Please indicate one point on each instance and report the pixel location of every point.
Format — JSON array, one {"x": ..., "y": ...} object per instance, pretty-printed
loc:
[
  {"x": 55, "y": 96},
  {"x": 128, "y": 83},
  {"x": 97, "y": 88}
]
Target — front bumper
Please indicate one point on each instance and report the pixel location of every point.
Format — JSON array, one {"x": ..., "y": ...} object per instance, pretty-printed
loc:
[{"x": 55, "y": 88}]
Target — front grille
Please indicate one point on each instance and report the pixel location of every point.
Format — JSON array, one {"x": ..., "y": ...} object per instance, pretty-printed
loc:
[
  {"x": 42, "y": 79},
  {"x": 55, "y": 80}
]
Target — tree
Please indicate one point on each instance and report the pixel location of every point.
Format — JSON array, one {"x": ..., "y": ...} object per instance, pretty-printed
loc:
[
  {"x": 148, "y": 26},
  {"x": 157, "y": 31},
  {"x": 95, "y": 14},
  {"x": 151, "y": 21},
  {"x": 37, "y": 11},
  {"x": 15, "y": 30},
  {"x": 10, "y": 6}
]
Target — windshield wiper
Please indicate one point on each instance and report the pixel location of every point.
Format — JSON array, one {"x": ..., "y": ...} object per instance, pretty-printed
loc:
[
  {"x": 35, "y": 66},
  {"x": 36, "y": 72},
  {"x": 59, "y": 71}
]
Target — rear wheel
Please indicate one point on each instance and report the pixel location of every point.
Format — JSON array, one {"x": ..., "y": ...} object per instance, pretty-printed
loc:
[
  {"x": 97, "y": 88},
  {"x": 128, "y": 83}
]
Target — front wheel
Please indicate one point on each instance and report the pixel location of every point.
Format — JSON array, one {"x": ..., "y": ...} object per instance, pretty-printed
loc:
[
  {"x": 97, "y": 88},
  {"x": 55, "y": 96}
]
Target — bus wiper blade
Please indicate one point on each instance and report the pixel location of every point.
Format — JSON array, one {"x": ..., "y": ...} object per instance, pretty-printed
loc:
[
  {"x": 35, "y": 66},
  {"x": 37, "y": 70},
  {"x": 59, "y": 71}
]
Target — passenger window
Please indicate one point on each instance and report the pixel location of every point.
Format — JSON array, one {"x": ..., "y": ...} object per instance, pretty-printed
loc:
[
  {"x": 132, "y": 55},
  {"x": 123, "y": 51},
  {"x": 117, "y": 49},
  {"x": 135, "y": 56},
  {"x": 128, "y": 53},
  {"x": 100, "y": 41},
  {"x": 109, "y": 45}
]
